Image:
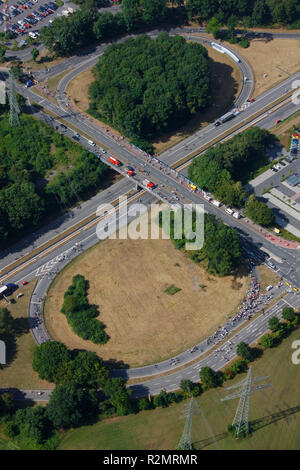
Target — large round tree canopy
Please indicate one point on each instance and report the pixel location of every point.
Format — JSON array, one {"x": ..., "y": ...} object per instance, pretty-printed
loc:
[{"x": 145, "y": 86}]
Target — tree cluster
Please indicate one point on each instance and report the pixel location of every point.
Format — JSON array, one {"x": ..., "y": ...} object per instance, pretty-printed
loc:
[
  {"x": 224, "y": 168},
  {"x": 259, "y": 212},
  {"x": 250, "y": 12},
  {"x": 28, "y": 191},
  {"x": 86, "y": 26},
  {"x": 81, "y": 315},
  {"x": 280, "y": 329},
  {"x": 221, "y": 248},
  {"x": 146, "y": 86},
  {"x": 78, "y": 375}
]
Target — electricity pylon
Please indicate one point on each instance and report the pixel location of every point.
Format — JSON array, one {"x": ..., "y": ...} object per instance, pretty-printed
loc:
[
  {"x": 241, "y": 419},
  {"x": 14, "y": 109},
  {"x": 185, "y": 442}
]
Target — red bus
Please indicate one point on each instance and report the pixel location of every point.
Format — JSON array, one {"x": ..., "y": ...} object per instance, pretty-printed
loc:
[{"x": 114, "y": 161}]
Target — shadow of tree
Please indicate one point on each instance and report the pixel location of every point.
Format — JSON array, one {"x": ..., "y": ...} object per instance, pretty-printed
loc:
[{"x": 21, "y": 326}]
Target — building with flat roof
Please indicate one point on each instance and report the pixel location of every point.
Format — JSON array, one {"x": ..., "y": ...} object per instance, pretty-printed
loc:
[{"x": 293, "y": 180}]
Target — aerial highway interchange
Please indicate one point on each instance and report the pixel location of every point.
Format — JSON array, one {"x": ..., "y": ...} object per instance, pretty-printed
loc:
[{"x": 274, "y": 104}]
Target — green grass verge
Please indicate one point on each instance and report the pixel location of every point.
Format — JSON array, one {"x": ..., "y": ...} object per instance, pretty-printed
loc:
[{"x": 275, "y": 410}]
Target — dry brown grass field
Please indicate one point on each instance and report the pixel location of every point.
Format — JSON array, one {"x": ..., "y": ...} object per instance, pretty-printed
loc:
[
  {"x": 78, "y": 89},
  {"x": 277, "y": 59},
  {"x": 127, "y": 281}
]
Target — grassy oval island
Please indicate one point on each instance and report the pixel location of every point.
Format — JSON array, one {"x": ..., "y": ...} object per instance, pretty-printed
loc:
[{"x": 153, "y": 300}]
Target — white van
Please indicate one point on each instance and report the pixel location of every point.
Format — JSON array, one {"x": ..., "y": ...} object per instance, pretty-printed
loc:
[
  {"x": 91, "y": 143},
  {"x": 229, "y": 211},
  {"x": 269, "y": 288}
]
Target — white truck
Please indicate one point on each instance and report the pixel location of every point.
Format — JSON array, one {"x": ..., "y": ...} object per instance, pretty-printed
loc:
[
  {"x": 216, "y": 203},
  {"x": 229, "y": 211}
]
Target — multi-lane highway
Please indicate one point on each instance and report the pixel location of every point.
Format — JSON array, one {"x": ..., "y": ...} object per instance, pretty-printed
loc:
[{"x": 47, "y": 262}]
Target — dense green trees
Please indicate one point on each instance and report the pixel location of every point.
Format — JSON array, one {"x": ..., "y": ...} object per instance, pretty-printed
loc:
[
  {"x": 28, "y": 191},
  {"x": 47, "y": 359},
  {"x": 273, "y": 323},
  {"x": 189, "y": 388},
  {"x": 259, "y": 12},
  {"x": 224, "y": 168},
  {"x": 244, "y": 351},
  {"x": 259, "y": 212},
  {"x": 119, "y": 396},
  {"x": 32, "y": 424},
  {"x": 85, "y": 369},
  {"x": 209, "y": 378},
  {"x": 146, "y": 12},
  {"x": 81, "y": 315},
  {"x": 288, "y": 314},
  {"x": 83, "y": 27},
  {"x": 221, "y": 249},
  {"x": 267, "y": 341},
  {"x": 70, "y": 406},
  {"x": 145, "y": 86},
  {"x": 70, "y": 33}
]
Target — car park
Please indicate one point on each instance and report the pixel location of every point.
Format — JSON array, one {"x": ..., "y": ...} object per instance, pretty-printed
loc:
[{"x": 43, "y": 11}]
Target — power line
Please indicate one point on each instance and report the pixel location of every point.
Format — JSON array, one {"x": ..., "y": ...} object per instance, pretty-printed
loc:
[
  {"x": 241, "y": 419},
  {"x": 185, "y": 442}
]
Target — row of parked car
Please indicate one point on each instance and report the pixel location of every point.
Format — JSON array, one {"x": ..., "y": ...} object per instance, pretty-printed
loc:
[
  {"x": 22, "y": 25},
  {"x": 294, "y": 145}
]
